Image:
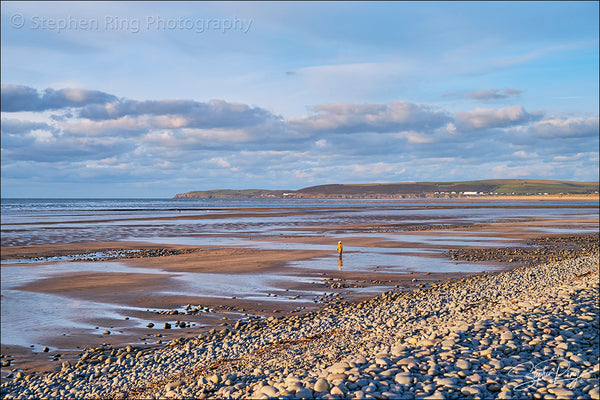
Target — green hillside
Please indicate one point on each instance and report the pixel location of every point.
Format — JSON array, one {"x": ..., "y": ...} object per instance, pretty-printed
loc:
[
  {"x": 231, "y": 194},
  {"x": 499, "y": 186},
  {"x": 407, "y": 189}
]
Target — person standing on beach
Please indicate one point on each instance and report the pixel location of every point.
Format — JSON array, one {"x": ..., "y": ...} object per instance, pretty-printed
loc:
[{"x": 340, "y": 248}]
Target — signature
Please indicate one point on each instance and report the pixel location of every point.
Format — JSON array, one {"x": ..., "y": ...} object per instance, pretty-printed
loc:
[{"x": 549, "y": 371}]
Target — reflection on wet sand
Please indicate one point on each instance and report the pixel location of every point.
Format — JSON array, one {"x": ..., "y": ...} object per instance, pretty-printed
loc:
[{"x": 259, "y": 263}]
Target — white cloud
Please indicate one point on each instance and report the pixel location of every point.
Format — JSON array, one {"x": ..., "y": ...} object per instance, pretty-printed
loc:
[
  {"x": 220, "y": 161},
  {"x": 574, "y": 157},
  {"x": 486, "y": 118},
  {"x": 524, "y": 155},
  {"x": 369, "y": 117},
  {"x": 217, "y": 141},
  {"x": 379, "y": 168},
  {"x": 566, "y": 127},
  {"x": 521, "y": 171}
]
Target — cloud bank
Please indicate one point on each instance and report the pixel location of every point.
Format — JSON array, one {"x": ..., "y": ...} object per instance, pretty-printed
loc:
[{"x": 81, "y": 135}]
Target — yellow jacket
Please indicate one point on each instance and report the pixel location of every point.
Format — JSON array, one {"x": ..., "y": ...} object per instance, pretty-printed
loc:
[{"x": 340, "y": 248}]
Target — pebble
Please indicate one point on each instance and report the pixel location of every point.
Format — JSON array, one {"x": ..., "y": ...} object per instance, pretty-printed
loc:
[
  {"x": 561, "y": 393},
  {"x": 473, "y": 338},
  {"x": 269, "y": 391},
  {"x": 321, "y": 385},
  {"x": 403, "y": 378},
  {"x": 508, "y": 335}
]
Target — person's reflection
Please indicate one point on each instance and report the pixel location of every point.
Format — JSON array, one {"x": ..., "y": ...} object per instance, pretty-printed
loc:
[{"x": 340, "y": 263}]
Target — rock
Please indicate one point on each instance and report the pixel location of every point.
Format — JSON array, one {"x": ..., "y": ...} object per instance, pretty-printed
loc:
[
  {"x": 470, "y": 391},
  {"x": 408, "y": 361},
  {"x": 463, "y": 364},
  {"x": 304, "y": 393},
  {"x": 446, "y": 382},
  {"x": 333, "y": 377},
  {"x": 508, "y": 335},
  {"x": 403, "y": 378},
  {"x": 150, "y": 325},
  {"x": 504, "y": 395},
  {"x": 435, "y": 396},
  {"x": 107, "y": 332},
  {"x": 269, "y": 391},
  {"x": 336, "y": 391},
  {"x": 426, "y": 343},
  {"x": 339, "y": 367},
  {"x": 493, "y": 387},
  {"x": 382, "y": 362},
  {"x": 360, "y": 360},
  {"x": 172, "y": 385},
  {"x": 167, "y": 325},
  {"x": 412, "y": 340},
  {"x": 321, "y": 386},
  {"x": 562, "y": 393}
]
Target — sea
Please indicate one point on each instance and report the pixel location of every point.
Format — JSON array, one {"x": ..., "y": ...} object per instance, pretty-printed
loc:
[
  {"x": 247, "y": 223},
  {"x": 52, "y": 221}
]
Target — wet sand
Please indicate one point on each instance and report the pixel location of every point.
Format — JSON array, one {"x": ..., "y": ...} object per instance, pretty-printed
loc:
[{"x": 160, "y": 287}]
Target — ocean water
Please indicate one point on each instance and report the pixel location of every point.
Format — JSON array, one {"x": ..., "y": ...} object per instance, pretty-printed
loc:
[
  {"x": 253, "y": 223},
  {"x": 53, "y": 221}
]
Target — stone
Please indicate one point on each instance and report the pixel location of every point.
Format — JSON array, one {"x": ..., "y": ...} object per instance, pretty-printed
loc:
[
  {"x": 412, "y": 340},
  {"x": 333, "y": 377},
  {"x": 336, "y": 391},
  {"x": 321, "y": 386},
  {"x": 594, "y": 393},
  {"x": 172, "y": 385},
  {"x": 435, "y": 396},
  {"x": 562, "y": 393},
  {"x": 463, "y": 364},
  {"x": 403, "y": 378},
  {"x": 504, "y": 395},
  {"x": 470, "y": 391},
  {"x": 508, "y": 335},
  {"x": 408, "y": 361},
  {"x": 338, "y": 368},
  {"x": 382, "y": 362},
  {"x": 304, "y": 393},
  {"x": 269, "y": 391}
]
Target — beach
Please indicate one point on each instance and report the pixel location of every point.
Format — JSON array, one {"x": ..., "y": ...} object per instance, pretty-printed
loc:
[{"x": 268, "y": 278}]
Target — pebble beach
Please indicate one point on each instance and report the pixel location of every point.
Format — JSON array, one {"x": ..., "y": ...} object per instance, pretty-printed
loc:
[{"x": 530, "y": 332}]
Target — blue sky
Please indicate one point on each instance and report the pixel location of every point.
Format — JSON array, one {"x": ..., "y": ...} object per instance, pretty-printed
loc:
[{"x": 136, "y": 99}]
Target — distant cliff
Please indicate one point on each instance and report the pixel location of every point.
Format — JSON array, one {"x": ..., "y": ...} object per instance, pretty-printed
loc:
[{"x": 490, "y": 187}]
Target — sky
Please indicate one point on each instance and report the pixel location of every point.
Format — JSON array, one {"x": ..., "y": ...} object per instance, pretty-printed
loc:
[{"x": 134, "y": 99}]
